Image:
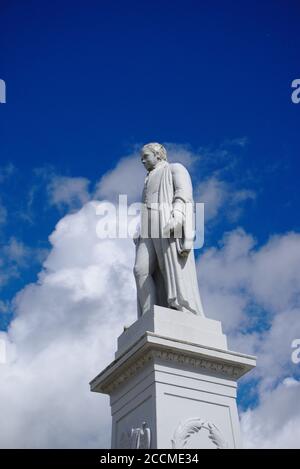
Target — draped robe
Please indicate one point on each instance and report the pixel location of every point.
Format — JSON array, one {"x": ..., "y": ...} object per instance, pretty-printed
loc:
[{"x": 177, "y": 286}]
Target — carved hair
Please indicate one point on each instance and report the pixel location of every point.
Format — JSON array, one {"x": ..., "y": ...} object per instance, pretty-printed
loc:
[{"x": 156, "y": 148}]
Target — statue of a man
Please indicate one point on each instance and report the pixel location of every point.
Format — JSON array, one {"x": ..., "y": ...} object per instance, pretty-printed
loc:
[{"x": 164, "y": 270}]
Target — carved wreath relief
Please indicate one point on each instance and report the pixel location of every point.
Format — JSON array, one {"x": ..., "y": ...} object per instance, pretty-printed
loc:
[
  {"x": 190, "y": 427},
  {"x": 136, "y": 438}
]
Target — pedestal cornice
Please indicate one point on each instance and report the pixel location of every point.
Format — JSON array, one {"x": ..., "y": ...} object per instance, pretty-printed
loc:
[{"x": 151, "y": 347}]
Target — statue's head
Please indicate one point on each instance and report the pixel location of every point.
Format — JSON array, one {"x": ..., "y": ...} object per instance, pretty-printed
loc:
[{"x": 151, "y": 154}]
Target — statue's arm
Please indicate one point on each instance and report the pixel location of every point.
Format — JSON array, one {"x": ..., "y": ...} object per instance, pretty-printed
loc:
[
  {"x": 182, "y": 183},
  {"x": 183, "y": 190}
]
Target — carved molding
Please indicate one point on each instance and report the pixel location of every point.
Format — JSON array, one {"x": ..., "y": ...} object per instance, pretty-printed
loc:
[
  {"x": 192, "y": 426},
  {"x": 231, "y": 371}
]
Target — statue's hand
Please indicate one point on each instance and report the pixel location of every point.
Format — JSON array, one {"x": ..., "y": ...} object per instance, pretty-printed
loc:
[
  {"x": 174, "y": 224},
  {"x": 169, "y": 228},
  {"x": 178, "y": 218}
]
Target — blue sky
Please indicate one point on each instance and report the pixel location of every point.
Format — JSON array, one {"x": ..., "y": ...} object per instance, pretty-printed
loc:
[{"x": 89, "y": 81}]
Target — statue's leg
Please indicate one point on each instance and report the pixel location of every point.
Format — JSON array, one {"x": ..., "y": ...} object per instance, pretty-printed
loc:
[
  {"x": 145, "y": 264},
  {"x": 162, "y": 294}
]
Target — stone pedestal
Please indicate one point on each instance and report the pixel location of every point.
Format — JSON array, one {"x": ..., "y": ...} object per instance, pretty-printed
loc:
[{"x": 173, "y": 384}]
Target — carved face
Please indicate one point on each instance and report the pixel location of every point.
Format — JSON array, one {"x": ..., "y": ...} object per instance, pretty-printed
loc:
[{"x": 149, "y": 159}]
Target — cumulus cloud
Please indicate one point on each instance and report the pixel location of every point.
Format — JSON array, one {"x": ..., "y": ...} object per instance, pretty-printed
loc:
[
  {"x": 67, "y": 323},
  {"x": 222, "y": 199},
  {"x": 224, "y": 277},
  {"x": 255, "y": 292},
  {"x": 183, "y": 154},
  {"x": 253, "y": 283},
  {"x": 64, "y": 333},
  {"x": 70, "y": 192},
  {"x": 275, "y": 422},
  {"x": 126, "y": 178},
  {"x": 213, "y": 193}
]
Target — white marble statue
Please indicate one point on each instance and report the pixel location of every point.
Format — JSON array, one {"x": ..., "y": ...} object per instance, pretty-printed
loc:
[{"x": 164, "y": 268}]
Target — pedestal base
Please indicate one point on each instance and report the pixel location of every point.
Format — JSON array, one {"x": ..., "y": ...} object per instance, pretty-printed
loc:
[{"x": 173, "y": 384}]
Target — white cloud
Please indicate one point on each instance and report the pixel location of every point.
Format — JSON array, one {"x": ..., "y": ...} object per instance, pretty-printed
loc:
[
  {"x": 126, "y": 178},
  {"x": 67, "y": 324},
  {"x": 223, "y": 276},
  {"x": 65, "y": 332},
  {"x": 275, "y": 423},
  {"x": 214, "y": 194},
  {"x": 222, "y": 199},
  {"x": 242, "y": 284},
  {"x": 277, "y": 272},
  {"x": 71, "y": 192},
  {"x": 180, "y": 153},
  {"x": 255, "y": 292}
]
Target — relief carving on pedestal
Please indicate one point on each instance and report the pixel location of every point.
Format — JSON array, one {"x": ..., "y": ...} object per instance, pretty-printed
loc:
[
  {"x": 136, "y": 438},
  {"x": 192, "y": 426}
]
